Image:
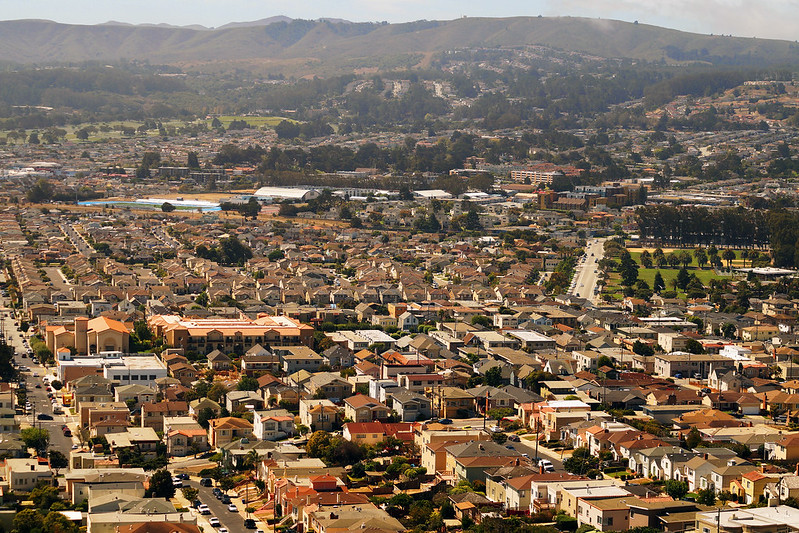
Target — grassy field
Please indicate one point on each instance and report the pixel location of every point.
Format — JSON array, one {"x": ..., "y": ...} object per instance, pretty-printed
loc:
[{"x": 705, "y": 275}]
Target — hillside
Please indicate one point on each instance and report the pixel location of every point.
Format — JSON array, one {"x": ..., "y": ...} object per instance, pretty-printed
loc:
[{"x": 341, "y": 46}]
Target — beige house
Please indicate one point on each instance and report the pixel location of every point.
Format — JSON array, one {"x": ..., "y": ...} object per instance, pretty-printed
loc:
[
  {"x": 223, "y": 431},
  {"x": 25, "y": 474},
  {"x": 319, "y": 414},
  {"x": 361, "y": 408}
]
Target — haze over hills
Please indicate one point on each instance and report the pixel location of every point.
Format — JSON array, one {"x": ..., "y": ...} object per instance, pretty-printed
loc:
[{"x": 340, "y": 45}]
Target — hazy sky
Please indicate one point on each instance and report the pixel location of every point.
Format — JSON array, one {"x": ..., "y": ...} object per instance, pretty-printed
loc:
[{"x": 745, "y": 18}]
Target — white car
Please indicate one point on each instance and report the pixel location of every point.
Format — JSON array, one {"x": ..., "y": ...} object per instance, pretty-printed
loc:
[
  {"x": 204, "y": 509},
  {"x": 232, "y": 508},
  {"x": 223, "y": 530},
  {"x": 214, "y": 521}
]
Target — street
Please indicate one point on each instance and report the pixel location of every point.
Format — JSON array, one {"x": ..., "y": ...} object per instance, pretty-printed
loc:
[
  {"x": 37, "y": 396},
  {"x": 587, "y": 271},
  {"x": 232, "y": 521}
]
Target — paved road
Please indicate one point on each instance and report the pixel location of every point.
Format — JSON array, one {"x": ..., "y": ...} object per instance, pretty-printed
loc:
[
  {"x": 528, "y": 447},
  {"x": 587, "y": 271},
  {"x": 233, "y": 521},
  {"x": 38, "y": 397}
]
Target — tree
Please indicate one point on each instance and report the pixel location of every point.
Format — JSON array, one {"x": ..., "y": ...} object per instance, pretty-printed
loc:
[
  {"x": 701, "y": 257},
  {"x": 190, "y": 493},
  {"x": 493, "y": 377},
  {"x": 499, "y": 438},
  {"x": 161, "y": 485},
  {"x": 683, "y": 278},
  {"x": 44, "y": 496},
  {"x": 675, "y": 488},
  {"x": 706, "y": 497},
  {"x": 628, "y": 269},
  {"x": 658, "y": 285},
  {"x": 55, "y": 522},
  {"x": 192, "y": 161},
  {"x": 247, "y": 383},
  {"x": 694, "y": 346},
  {"x": 58, "y": 460},
  {"x": 642, "y": 348},
  {"x": 166, "y": 207},
  {"x": 581, "y": 462},
  {"x": 226, "y": 483},
  {"x": 36, "y": 438},
  {"x": 481, "y": 320},
  {"x": 318, "y": 444},
  {"x": 205, "y": 414},
  {"x": 33, "y": 138},
  {"x": 693, "y": 439},
  {"x": 28, "y": 520},
  {"x": 646, "y": 259},
  {"x": 216, "y": 392},
  {"x": 728, "y": 255}
]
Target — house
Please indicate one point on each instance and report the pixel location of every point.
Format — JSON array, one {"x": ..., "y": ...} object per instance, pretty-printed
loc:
[
  {"x": 468, "y": 461},
  {"x": 757, "y": 520},
  {"x": 329, "y": 385},
  {"x": 184, "y": 436},
  {"x": 197, "y": 406},
  {"x": 361, "y": 408},
  {"x": 784, "y": 449},
  {"x": 143, "y": 440},
  {"x": 410, "y": 406},
  {"x": 239, "y": 400},
  {"x": 375, "y": 432},
  {"x": 184, "y": 372},
  {"x": 23, "y": 475},
  {"x": 152, "y": 414},
  {"x": 222, "y": 431},
  {"x": 219, "y": 361},
  {"x": 452, "y": 402},
  {"x": 296, "y": 358},
  {"x": 319, "y": 414},
  {"x": 136, "y": 394},
  {"x": 274, "y": 424},
  {"x": 604, "y": 514}
]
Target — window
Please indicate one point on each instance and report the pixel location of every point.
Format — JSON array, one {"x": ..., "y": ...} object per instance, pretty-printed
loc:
[
  {"x": 117, "y": 377},
  {"x": 610, "y": 520},
  {"x": 152, "y": 377},
  {"x": 134, "y": 377}
]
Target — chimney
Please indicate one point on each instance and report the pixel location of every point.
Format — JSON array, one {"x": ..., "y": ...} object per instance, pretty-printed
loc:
[
  {"x": 762, "y": 468},
  {"x": 540, "y": 469},
  {"x": 704, "y": 456},
  {"x": 33, "y": 468}
]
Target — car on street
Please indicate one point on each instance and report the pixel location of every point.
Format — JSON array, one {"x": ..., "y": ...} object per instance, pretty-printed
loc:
[
  {"x": 223, "y": 530},
  {"x": 214, "y": 521},
  {"x": 177, "y": 482},
  {"x": 43, "y": 416},
  {"x": 225, "y": 499},
  {"x": 514, "y": 438},
  {"x": 204, "y": 509},
  {"x": 206, "y": 482},
  {"x": 249, "y": 523},
  {"x": 232, "y": 508},
  {"x": 547, "y": 465}
]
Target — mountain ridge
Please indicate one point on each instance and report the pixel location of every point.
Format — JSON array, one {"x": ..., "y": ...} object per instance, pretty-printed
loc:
[{"x": 336, "y": 44}]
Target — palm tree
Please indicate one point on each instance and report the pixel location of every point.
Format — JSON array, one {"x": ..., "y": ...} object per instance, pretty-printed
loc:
[{"x": 251, "y": 459}]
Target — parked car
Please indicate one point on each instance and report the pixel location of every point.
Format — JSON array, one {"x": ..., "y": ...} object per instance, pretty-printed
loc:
[
  {"x": 206, "y": 482},
  {"x": 232, "y": 508},
  {"x": 225, "y": 499},
  {"x": 214, "y": 521},
  {"x": 204, "y": 509},
  {"x": 249, "y": 523},
  {"x": 514, "y": 438},
  {"x": 177, "y": 482},
  {"x": 547, "y": 465},
  {"x": 43, "y": 416}
]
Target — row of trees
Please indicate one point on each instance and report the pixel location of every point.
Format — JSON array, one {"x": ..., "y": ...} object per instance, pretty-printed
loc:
[{"x": 692, "y": 226}]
